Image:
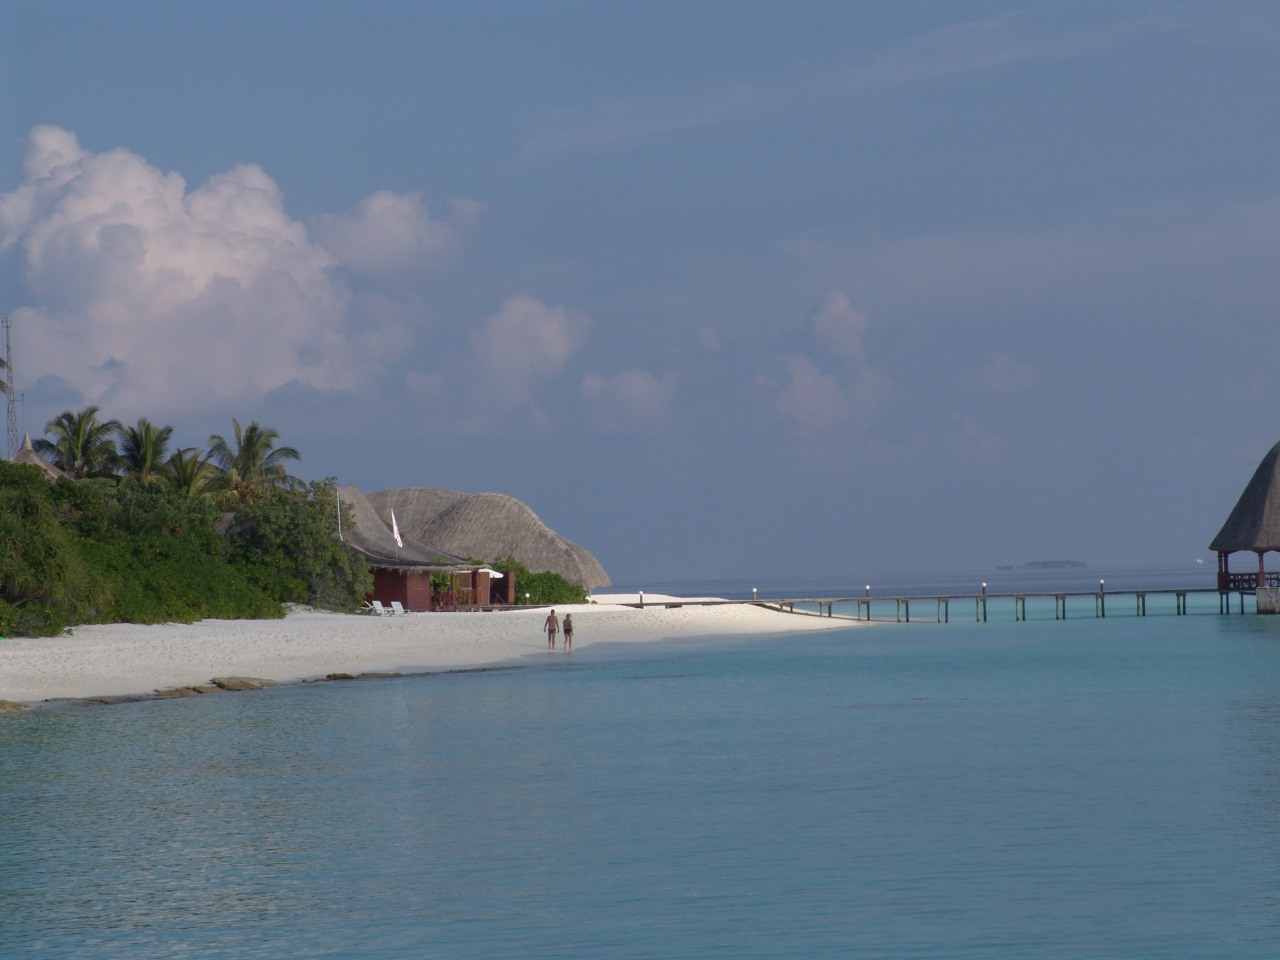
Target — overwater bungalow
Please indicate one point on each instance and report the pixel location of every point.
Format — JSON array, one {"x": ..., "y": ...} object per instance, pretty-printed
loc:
[{"x": 1253, "y": 526}]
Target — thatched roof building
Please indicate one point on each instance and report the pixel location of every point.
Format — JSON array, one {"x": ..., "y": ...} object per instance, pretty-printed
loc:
[
  {"x": 1253, "y": 525},
  {"x": 373, "y": 536},
  {"x": 490, "y": 526},
  {"x": 27, "y": 454}
]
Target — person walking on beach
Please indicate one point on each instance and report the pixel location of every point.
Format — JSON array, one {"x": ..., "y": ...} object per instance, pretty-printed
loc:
[
  {"x": 568, "y": 633},
  {"x": 552, "y": 626}
]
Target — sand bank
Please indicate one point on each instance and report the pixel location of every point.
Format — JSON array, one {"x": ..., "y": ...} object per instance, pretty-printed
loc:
[{"x": 128, "y": 659}]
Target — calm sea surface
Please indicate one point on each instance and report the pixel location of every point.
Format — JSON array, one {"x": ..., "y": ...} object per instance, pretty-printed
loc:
[{"x": 1079, "y": 788}]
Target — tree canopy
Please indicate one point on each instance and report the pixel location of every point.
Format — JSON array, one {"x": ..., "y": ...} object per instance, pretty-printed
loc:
[
  {"x": 254, "y": 463},
  {"x": 82, "y": 445},
  {"x": 139, "y": 534},
  {"x": 144, "y": 449}
]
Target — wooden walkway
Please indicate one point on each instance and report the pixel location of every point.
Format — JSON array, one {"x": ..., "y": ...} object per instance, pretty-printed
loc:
[{"x": 996, "y": 606}]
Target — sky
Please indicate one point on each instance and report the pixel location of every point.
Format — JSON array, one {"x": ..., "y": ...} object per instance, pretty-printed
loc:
[{"x": 719, "y": 289}]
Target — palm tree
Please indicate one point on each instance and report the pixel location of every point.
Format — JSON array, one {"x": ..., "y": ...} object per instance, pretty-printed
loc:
[
  {"x": 190, "y": 472},
  {"x": 143, "y": 449},
  {"x": 82, "y": 445},
  {"x": 255, "y": 463}
]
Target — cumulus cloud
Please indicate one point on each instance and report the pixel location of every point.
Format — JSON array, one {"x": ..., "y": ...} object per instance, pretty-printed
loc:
[
  {"x": 1004, "y": 373},
  {"x": 524, "y": 342},
  {"x": 148, "y": 297},
  {"x": 840, "y": 326},
  {"x": 972, "y": 442},
  {"x": 817, "y": 398},
  {"x": 630, "y": 400},
  {"x": 812, "y": 398},
  {"x": 389, "y": 233}
]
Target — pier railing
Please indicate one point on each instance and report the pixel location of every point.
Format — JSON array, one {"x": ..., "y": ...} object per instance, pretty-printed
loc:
[
  {"x": 1247, "y": 581},
  {"x": 1001, "y": 606}
]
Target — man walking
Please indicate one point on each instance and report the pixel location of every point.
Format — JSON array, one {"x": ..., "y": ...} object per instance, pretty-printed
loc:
[{"x": 552, "y": 626}]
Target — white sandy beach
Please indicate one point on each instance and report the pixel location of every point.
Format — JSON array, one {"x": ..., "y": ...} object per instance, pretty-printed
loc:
[{"x": 128, "y": 659}]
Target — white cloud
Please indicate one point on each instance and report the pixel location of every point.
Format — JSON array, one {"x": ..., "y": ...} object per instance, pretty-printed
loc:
[
  {"x": 956, "y": 50},
  {"x": 153, "y": 299},
  {"x": 632, "y": 399},
  {"x": 841, "y": 326},
  {"x": 524, "y": 342},
  {"x": 817, "y": 399},
  {"x": 812, "y": 398},
  {"x": 389, "y": 233},
  {"x": 974, "y": 444},
  {"x": 1004, "y": 373}
]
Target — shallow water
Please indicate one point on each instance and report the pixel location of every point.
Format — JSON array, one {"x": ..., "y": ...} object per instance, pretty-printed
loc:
[{"x": 1070, "y": 789}]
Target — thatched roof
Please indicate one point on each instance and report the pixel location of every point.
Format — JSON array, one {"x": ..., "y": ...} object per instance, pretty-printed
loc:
[
  {"x": 26, "y": 454},
  {"x": 370, "y": 535},
  {"x": 1254, "y": 524},
  {"x": 489, "y": 526}
]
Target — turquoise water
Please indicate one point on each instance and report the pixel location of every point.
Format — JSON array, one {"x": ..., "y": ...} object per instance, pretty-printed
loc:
[{"x": 1049, "y": 789}]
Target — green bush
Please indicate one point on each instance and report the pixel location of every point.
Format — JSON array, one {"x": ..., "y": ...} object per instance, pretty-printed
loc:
[
  {"x": 98, "y": 551},
  {"x": 544, "y": 589},
  {"x": 285, "y": 543}
]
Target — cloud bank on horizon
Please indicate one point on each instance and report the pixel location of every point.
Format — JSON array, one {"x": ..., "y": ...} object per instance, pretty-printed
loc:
[{"x": 146, "y": 295}]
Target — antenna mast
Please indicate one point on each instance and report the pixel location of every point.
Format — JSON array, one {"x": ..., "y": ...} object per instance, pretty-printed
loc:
[{"x": 10, "y": 398}]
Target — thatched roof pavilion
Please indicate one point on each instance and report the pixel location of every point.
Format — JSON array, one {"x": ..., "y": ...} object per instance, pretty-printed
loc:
[
  {"x": 491, "y": 526},
  {"x": 1254, "y": 525},
  {"x": 27, "y": 455},
  {"x": 418, "y": 575},
  {"x": 372, "y": 535}
]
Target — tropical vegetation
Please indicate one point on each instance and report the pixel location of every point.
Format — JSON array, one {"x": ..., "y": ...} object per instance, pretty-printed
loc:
[
  {"x": 144, "y": 535},
  {"x": 141, "y": 532},
  {"x": 543, "y": 589}
]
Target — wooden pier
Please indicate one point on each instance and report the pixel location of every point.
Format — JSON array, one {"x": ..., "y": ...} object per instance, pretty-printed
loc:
[{"x": 996, "y": 606}]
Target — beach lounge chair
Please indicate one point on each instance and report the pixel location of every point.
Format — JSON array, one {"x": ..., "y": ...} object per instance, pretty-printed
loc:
[
  {"x": 397, "y": 608},
  {"x": 377, "y": 607}
]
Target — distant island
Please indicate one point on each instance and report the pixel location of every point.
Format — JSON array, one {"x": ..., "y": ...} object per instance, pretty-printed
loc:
[{"x": 1045, "y": 565}]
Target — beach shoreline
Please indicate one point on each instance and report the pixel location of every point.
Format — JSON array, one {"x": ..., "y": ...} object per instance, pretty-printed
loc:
[{"x": 110, "y": 662}]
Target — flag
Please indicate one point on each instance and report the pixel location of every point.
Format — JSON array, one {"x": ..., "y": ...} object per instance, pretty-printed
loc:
[{"x": 395, "y": 528}]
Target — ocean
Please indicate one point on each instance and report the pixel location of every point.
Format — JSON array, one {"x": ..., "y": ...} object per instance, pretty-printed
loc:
[{"x": 1076, "y": 788}]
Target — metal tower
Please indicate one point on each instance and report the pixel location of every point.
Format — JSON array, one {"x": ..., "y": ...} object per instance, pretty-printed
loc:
[{"x": 10, "y": 397}]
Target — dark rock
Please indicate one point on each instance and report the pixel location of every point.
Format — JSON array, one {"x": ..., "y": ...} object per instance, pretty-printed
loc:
[
  {"x": 241, "y": 683},
  {"x": 192, "y": 691}
]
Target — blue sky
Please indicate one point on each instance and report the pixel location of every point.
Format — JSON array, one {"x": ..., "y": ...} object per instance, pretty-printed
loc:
[{"x": 718, "y": 289}]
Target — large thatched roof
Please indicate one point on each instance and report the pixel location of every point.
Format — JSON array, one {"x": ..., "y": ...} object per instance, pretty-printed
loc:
[
  {"x": 27, "y": 454},
  {"x": 1254, "y": 524},
  {"x": 489, "y": 526},
  {"x": 373, "y": 536}
]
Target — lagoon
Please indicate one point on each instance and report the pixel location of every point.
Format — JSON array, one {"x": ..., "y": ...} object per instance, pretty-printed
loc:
[{"x": 1069, "y": 789}]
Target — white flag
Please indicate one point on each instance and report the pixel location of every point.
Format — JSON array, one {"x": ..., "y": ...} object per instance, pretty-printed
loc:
[{"x": 395, "y": 528}]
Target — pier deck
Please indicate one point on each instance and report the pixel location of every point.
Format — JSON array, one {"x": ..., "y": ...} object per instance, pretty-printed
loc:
[{"x": 1000, "y": 606}]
